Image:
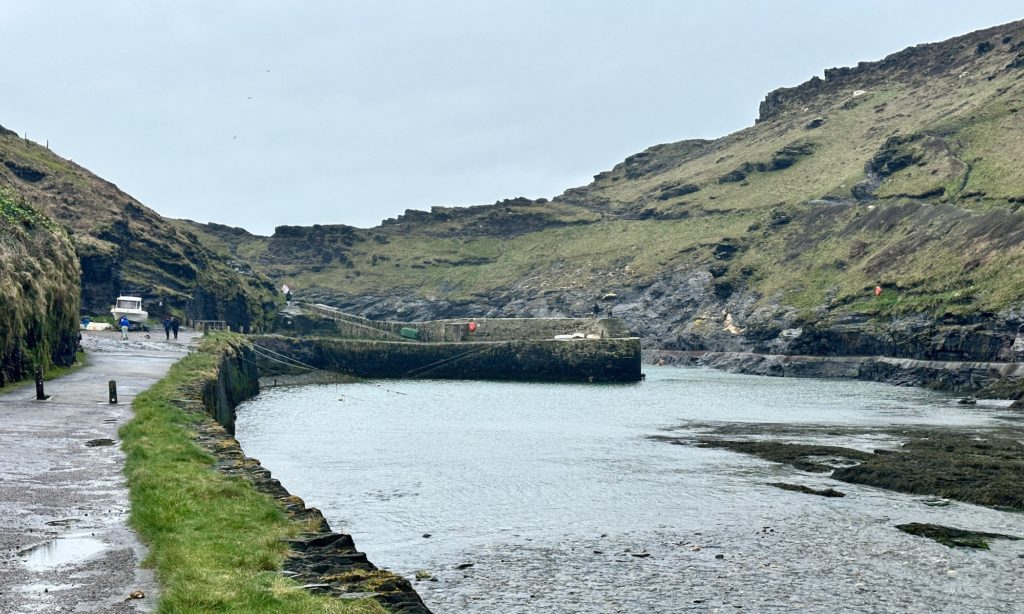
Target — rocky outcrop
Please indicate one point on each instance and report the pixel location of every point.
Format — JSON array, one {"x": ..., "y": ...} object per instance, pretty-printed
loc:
[
  {"x": 919, "y": 61},
  {"x": 780, "y": 160},
  {"x": 941, "y": 375}
]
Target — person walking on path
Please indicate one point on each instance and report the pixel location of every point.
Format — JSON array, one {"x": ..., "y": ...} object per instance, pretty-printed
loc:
[
  {"x": 174, "y": 327},
  {"x": 124, "y": 324},
  {"x": 167, "y": 327}
]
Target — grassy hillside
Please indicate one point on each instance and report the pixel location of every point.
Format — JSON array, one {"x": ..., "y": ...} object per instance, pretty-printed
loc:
[
  {"x": 38, "y": 291},
  {"x": 124, "y": 246},
  {"x": 903, "y": 173}
]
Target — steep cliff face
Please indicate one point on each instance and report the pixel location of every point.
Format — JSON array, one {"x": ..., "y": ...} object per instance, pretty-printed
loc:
[
  {"x": 38, "y": 291},
  {"x": 124, "y": 246},
  {"x": 901, "y": 174}
]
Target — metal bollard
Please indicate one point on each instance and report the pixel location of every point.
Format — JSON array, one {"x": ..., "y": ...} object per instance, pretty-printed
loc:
[
  {"x": 113, "y": 392},
  {"x": 40, "y": 395}
]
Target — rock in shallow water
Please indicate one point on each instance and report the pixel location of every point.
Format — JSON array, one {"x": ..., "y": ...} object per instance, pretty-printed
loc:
[{"x": 952, "y": 537}]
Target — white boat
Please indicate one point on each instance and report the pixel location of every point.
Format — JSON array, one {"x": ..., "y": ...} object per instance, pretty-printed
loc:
[{"x": 130, "y": 306}]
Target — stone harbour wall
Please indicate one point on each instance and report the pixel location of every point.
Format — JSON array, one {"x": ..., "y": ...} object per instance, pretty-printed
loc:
[
  {"x": 237, "y": 381},
  {"x": 580, "y": 360},
  {"x": 321, "y": 560}
]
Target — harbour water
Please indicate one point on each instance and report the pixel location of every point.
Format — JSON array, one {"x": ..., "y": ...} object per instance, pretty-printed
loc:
[{"x": 517, "y": 497}]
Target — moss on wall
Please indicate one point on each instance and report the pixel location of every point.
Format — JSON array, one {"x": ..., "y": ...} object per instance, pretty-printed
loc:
[
  {"x": 39, "y": 291},
  {"x": 235, "y": 381}
]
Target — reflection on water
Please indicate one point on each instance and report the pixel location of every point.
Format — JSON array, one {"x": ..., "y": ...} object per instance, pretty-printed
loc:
[
  {"x": 60, "y": 551},
  {"x": 562, "y": 501}
]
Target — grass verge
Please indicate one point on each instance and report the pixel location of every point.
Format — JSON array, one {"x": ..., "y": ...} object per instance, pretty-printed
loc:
[
  {"x": 215, "y": 542},
  {"x": 51, "y": 373}
]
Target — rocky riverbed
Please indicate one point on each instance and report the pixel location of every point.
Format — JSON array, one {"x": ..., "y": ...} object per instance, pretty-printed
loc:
[
  {"x": 983, "y": 467},
  {"x": 524, "y": 498}
]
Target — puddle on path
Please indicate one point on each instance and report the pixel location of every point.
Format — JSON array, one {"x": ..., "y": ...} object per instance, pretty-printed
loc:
[
  {"x": 60, "y": 551},
  {"x": 93, "y": 443}
]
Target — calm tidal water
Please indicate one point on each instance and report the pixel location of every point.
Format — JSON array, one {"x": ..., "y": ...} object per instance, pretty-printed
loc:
[{"x": 563, "y": 500}]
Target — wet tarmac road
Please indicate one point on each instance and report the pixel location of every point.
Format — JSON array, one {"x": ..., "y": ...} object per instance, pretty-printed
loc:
[{"x": 65, "y": 544}]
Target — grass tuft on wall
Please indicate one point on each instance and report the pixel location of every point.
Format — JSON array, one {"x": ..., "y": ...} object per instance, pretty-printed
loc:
[{"x": 215, "y": 542}]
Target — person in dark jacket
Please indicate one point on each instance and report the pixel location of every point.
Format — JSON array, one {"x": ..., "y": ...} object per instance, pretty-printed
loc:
[
  {"x": 167, "y": 327},
  {"x": 124, "y": 324},
  {"x": 174, "y": 327}
]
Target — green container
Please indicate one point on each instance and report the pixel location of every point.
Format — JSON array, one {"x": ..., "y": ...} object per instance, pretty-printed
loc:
[{"x": 410, "y": 333}]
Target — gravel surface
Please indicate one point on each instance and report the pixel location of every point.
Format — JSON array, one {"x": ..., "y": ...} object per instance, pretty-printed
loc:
[{"x": 65, "y": 544}]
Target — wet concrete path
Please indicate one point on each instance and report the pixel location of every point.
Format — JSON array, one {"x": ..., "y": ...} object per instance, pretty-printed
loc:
[{"x": 65, "y": 544}]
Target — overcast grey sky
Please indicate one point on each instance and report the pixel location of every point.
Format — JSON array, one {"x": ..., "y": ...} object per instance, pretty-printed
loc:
[{"x": 261, "y": 113}]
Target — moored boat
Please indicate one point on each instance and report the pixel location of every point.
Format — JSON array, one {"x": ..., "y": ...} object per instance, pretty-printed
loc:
[{"x": 130, "y": 307}]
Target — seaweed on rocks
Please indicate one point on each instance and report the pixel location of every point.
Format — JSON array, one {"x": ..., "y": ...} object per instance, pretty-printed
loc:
[
  {"x": 982, "y": 468},
  {"x": 819, "y": 459},
  {"x": 824, "y": 492},
  {"x": 952, "y": 537},
  {"x": 987, "y": 470}
]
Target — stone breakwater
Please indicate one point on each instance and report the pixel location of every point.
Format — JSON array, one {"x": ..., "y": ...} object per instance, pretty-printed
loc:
[
  {"x": 511, "y": 349},
  {"x": 581, "y": 360},
  {"x": 321, "y": 560}
]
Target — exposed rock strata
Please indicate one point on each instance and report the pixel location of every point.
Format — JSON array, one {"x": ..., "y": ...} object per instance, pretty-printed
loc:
[{"x": 942, "y": 375}]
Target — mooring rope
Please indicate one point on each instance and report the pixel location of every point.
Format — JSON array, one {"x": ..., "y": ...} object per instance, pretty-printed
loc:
[
  {"x": 287, "y": 364},
  {"x": 416, "y": 372},
  {"x": 434, "y": 365},
  {"x": 293, "y": 362},
  {"x": 272, "y": 371},
  {"x": 284, "y": 356}
]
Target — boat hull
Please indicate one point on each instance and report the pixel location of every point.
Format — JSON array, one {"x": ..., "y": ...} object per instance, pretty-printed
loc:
[{"x": 137, "y": 316}]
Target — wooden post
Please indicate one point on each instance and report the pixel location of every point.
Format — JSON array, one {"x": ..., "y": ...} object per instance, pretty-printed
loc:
[
  {"x": 112, "y": 385},
  {"x": 40, "y": 395}
]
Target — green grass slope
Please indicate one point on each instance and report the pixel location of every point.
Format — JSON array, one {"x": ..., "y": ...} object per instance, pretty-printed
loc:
[{"x": 903, "y": 172}]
